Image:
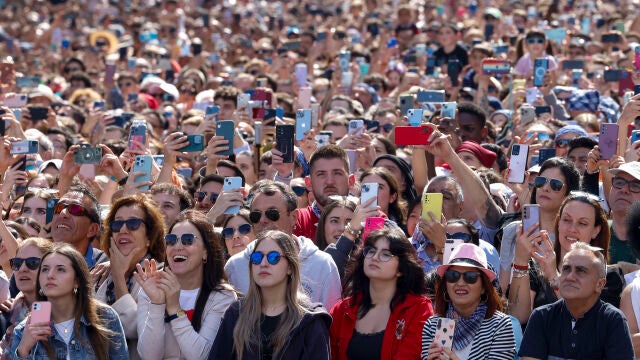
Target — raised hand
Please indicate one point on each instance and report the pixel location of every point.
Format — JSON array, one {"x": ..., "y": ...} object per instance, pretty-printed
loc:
[{"x": 148, "y": 277}]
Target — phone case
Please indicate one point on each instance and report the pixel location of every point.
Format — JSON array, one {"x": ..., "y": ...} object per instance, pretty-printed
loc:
[
  {"x": 412, "y": 135},
  {"x": 344, "y": 60},
  {"x": 415, "y": 116},
  {"x": 635, "y": 136},
  {"x": 323, "y": 140},
  {"x": 545, "y": 154},
  {"x": 138, "y": 133},
  {"x": 353, "y": 160},
  {"x": 368, "y": 191},
  {"x": 315, "y": 114},
  {"x": 492, "y": 66},
  {"x": 527, "y": 114},
  {"x": 448, "y": 109},
  {"x": 40, "y": 312},
  {"x": 51, "y": 203},
  {"x": 608, "y": 141},
  {"x": 573, "y": 65},
  {"x": 16, "y": 101},
  {"x": 243, "y": 100},
  {"x": 431, "y": 96},
  {"x": 24, "y": 147},
  {"x": 265, "y": 97},
  {"x": 300, "y": 71},
  {"x": 284, "y": 140},
  {"x": 449, "y": 245},
  {"x": 226, "y": 128},
  {"x": 518, "y": 163},
  {"x": 257, "y": 130},
  {"x": 432, "y": 202},
  {"x": 303, "y": 123},
  {"x": 356, "y": 127},
  {"x": 372, "y": 224},
  {"x": 304, "y": 97},
  {"x": 539, "y": 110},
  {"x": 406, "y": 103},
  {"x": 231, "y": 183},
  {"x": 143, "y": 163},
  {"x": 530, "y": 216},
  {"x": 540, "y": 66},
  {"x": 444, "y": 332},
  {"x": 196, "y": 143}
]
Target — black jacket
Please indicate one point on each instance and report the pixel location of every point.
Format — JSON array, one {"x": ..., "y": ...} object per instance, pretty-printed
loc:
[{"x": 309, "y": 340}]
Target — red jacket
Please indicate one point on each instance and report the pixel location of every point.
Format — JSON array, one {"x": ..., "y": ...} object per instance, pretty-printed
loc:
[
  {"x": 402, "y": 337},
  {"x": 307, "y": 223}
]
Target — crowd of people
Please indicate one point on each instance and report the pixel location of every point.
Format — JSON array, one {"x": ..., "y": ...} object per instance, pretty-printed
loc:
[{"x": 319, "y": 180}]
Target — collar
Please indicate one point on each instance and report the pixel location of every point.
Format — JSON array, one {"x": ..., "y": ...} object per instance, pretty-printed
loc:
[
  {"x": 88, "y": 257},
  {"x": 593, "y": 310},
  {"x": 316, "y": 209}
]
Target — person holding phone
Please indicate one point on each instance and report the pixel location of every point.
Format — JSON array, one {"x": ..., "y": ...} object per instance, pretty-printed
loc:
[
  {"x": 237, "y": 232},
  {"x": 275, "y": 319},
  {"x": 83, "y": 328},
  {"x": 384, "y": 306},
  {"x": 465, "y": 293},
  {"x": 337, "y": 213},
  {"x": 35, "y": 205},
  {"x": 536, "y": 45},
  {"x": 389, "y": 197},
  {"x": 181, "y": 307}
]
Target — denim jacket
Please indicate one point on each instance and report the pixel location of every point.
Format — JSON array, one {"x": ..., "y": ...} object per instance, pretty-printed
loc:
[{"x": 79, "y": 345}]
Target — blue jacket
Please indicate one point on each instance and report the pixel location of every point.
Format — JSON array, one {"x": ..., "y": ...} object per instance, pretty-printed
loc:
[{"x": 79, "y": 345}]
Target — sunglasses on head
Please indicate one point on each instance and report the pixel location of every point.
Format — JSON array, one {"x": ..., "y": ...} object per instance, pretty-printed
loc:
[
  {"x": 554, "y": 184},
  {"x": 536, "y": 41},
  {"x": 186, "y": 239},
  {"x": 619, "y": 183},
  {"x": 470, "y": 277},
  {"x": 31, "y": 262},
  {"x": 200, "y": 195},
  {"x": 459, "y": 235},
  {"x": 299, "y": 190},
  {"x": 561, "y": 143},
  {"x": 273, "y": 257},
  {"x": 73, "y": 209},
  {"x": 271, "y": 214},
  {"x": 243, "y": 229},
  {"x": 132, "y": 224}
]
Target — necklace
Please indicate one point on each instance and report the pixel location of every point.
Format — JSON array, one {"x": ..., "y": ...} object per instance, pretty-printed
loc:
[{"x": 65, "y": 329}]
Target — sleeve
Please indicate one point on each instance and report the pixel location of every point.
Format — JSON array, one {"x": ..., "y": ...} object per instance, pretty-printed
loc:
[
  {"x": 534, "y": 342},
  {"x": 508, "y": 246},
  {"x": 339, "y": 252},
  {"x": 150, "y": 323},
  {"x": 409, "y": 347},
  {"x": 196, "y": 345},
  {"x": 428, "y": 333},
  {"x": 332, "y": 288},
  {"x": 559, "y": 111},
  {"x": 316, "y": 340},
  {"x": 17, "y": 337},
  {"x": 619, "y": 345},
  {"x": 337, "y": 314},
  {"x": 127, "y": 309},
  {"x": 118, "y": 349},
  {"x": 503, "y": 346},
  {"x": 222, "y": 348}
]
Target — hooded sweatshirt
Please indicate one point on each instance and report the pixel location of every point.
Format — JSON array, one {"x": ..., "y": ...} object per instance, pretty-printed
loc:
[{"x": 319, "y": 274}]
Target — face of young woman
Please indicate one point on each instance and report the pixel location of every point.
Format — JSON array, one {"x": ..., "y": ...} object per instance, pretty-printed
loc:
[
  {"x": 384, "y": 192},
  {"x": 335, "y": 223},
  {"x": 238, "y": 242},
  {"x": 36, "y": 209},
  {"x": 463, "y": 294},
  {"x": 57, "y": 277},
  {"x": 265, "y": 274},
  {"x": 377, "y": 269},
  {"x": 129, "y": 240},
  {"x": 183, "y": 259},
  {"x": 414, "y": 218},
  {"x": 577, "y": 223},
  {"x": 548, "y": 199},
  {"x": 25, "y": 277}
]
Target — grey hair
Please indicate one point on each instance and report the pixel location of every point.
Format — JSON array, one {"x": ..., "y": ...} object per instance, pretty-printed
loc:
[
  {"x": 597, "y": 253},
  {"x": 270, "y": 188},
  {"x": 451, "y": 179}
]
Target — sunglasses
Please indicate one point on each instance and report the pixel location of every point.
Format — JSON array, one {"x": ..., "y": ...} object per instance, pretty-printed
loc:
[
  {"x": 31, "y": 262},
  {"x": 384, "y": 254},
  {"x": 273, "y": 257},
  {"x": 125, "y": 84},
  {"x": 470, "y": 277},
  {"x": 299, "y": 190},
  {"x": 200, "y": 195},
  {"x": 132, "y": 224},
  {"x": 188, "y": 91},
  {"x": 271, "y": 214},
  {"x": 619, "y": 183},
  {"x": 554, "y": 184},
  {"x": 243, "y": 229},
  {"x": 561, "y": 143},
  {"x": 536, "y": 41},
  {"x": 186, "y": 239},
  {"x": 73, "y": 209},
  {"x": 459, "y": 235}
]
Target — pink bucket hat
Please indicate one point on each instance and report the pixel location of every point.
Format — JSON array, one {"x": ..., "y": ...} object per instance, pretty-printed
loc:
[{"x": 469, "y": 255}]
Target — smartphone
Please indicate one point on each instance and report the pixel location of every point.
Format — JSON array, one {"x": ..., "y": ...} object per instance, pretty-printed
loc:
[
  {"x": 412, "y": 135},
  {"x": 344, "y": 60},
  {"x": 406, "y": 103},
  {"x": 431, "y": 66},
  {"x": 368, "y": 191},
  {"x": 518, "y": 163},
  {"x": 636, "y": 62},
  {"x": 353, "y": 159},
  {"x": 573, "y": 65},
  {"x": 356, "y": 127},
  {"x": 315, "y": 114},
  {"x": 539, "y": 110},
  {"x": 212, "y": 112},
  {"x": 545, "y": 154},
  {"x": 448, "y": 109},
  {"x": 493, "y": 66},
  {"x": 372, "y": 224},
  {"x": 257, "y": 131},
  {"x": 16, "y": 101},
  {"x": 284, "y": 141},
  {"x": 527, "y": 114},
  {"x": 196, "y": 143},
  {"x": 304, "y": 97},
  {"x": 531, "y": 216},
  {"x": 500, "y": 49},
  {"x": 232, "y": 183},
  {"x": 143, "y": 163},
  {"x": 449, "y": 245},
  {"x": 453, "y": 71},
  {"x": 431, "y": 96},
  {"x": 184, "y": 172},
  {"x": 264, "y": 98},
  {"x": 488, "y": 31},
  {"x": 415, "y": 116},
  {"x": 109, "y": 72},
  {"x": 226, "y": 128},
  {"x": 99, "y": 105},
  {"x": 608, "y": 141},
  {"x": 51, "y": 203},
  {"x": 372, "y": 125},
  {"x": 636, "y": 90},
  {"x": 242, "y": 101},
  {"x": 432, "y": 202},
  {"x": 41, "y": 312},
  {"x": 324, "y": 140},
  {"x": 24, "y": 147},
  {"x": 444, "y": 332},
  {"x": 131, "y": 63},
  {"x": 300, "y": 71},
  {"x": 303, "y": 123},
  {"x": 556, "y": 34},
  {"x": 635, "y": 136},
  {"x": 540, "y": 66},
  {"x": 612, "y": 75},
  {"x": 87, "y": 155},
  {"x": 611, "y": 38},
  {"x": 159, "y": 160},
  {"x": 38, "y": 113},
  {"x": 346, "y": 79},
  {"x": 138, "y": 132}
]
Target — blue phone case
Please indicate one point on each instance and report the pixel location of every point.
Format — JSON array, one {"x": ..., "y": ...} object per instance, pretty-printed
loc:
[
  {"x": 303, "y": 123},
  {"x": 226, "y": 128},
  {"x": 540, "y": 66},
  {"x": 143, "y": 163}
]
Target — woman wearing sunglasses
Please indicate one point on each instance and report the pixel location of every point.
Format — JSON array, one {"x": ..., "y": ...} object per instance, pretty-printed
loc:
[
  {"x": 180, "y": 309},
  {"x": 535, "y": 43},
  {"x": 557, "y": 178},
  {"x": 465, "y": 294},
  {"x": 134, "y": 232},
  {"x": 535, "y": 267},
  {"x": 237, "y": 232},
  {"x": 275, "y": 320},
  {"x": 25, "y": 266},
  {"x": 385, "y": 306}
]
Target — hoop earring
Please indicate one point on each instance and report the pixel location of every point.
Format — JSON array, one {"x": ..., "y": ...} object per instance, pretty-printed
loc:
[
  {"x": 446, "y": 297},
  {"x": 204, "y": 261},
  {"x": 484, "y": 297}
]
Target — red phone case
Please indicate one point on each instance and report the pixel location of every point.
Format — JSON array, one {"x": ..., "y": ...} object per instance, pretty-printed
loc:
[
  {"x": 412, "y": 135},
  {"x": 372, "y": 224}
]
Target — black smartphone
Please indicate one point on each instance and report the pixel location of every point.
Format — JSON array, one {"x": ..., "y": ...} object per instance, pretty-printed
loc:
[
  {"x": 453, "y": 70},
  {"x": 284, "y": 141},
  {"x": 612, "y": 75}
]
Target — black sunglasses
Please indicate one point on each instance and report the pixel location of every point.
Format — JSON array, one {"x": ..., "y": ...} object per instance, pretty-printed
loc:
[
  {"x": 459, "y": 235},
  {"x": 561, "y": 143},
  {"x": 555, "y": 184},
  {"x": 273, "y": 257},
  {"x": 470, "y": 277},
  {"x": 132, "y": 224},
  {"x": 299, "y": 190},
  {"x": 31, "y": 262},
  {"x": 271, "y": 214},
  {"x": 536, "y": 40},
  {"x": 200, "y": 195},
  {"x": 186, "y": 239},
  {"x": 243, "y": 229}
]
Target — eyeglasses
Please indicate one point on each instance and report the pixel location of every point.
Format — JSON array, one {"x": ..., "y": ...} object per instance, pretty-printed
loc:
[
  {"x": 299, "y": 190},
  {"x": 273, "y": 257},
  {"x": 243, "y": 229},
  {"x": 186, "y": 239},
  {"x": 536, "y": 41},
  {"x": 72, "y": 69},
  {"x": 132, "y": 224},
  {"x": 470, "y": 277},
  {"x": 459, "y": 235},
  {"x": 619, "y": 183},
  {"x": 73, "y": 209},
  {"x": 561, "y": 143},
  {"x": 554, "y": 184},
  {"x": 200, "y": 195},
  {"x": 31, "y": 262},
  {"x": 271, "y": 214},
  {"x": 384, "y": 254}
]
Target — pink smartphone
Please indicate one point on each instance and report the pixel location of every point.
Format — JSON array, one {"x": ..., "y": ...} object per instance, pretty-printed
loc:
[
  {"x": 444, "y": 332},
  {"x": 608, "y": 141},
  {"x": 40, "y": 312},
  {"x": 372, "y": 224}
]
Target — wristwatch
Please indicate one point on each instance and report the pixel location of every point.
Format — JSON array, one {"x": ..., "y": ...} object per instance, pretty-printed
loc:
[{"x": 170, "y": 318}]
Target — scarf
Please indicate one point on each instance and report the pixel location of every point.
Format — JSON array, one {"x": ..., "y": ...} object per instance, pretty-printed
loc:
[{"x": 466, "y": 328}]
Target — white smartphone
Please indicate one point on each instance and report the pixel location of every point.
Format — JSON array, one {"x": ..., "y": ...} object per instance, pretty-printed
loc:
[
  {"x": 530, "y": 216},
  {"x": 356, "y": 126},
  {"x": 232, "y": 183},
  {"x": 518, "y": 163},
  {"x": 444, "y": 332},
  {"x": 449, "y": 245},
  {"x": 368, "y": 191}
]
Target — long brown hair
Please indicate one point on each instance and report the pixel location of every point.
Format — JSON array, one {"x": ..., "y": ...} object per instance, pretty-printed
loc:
[
  {"x": 334, "y": 202},
  {"x": 397, "y": 208},
  {"x": 98, "y": 333}
]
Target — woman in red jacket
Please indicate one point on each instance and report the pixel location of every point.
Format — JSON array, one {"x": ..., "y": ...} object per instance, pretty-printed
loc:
[{"x": 384, "y": 308}]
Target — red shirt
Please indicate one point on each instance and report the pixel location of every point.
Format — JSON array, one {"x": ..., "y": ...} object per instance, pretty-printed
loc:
[
  {"x": 307, "y": 223},
  {"x": 402, "y": 337}
]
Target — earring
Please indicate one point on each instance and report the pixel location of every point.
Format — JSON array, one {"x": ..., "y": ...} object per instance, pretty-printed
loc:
[
  {"x": 204, "y": 261},
  {"x": 75, "y": 291},
  {"x": 446, "y": 297},
  {"x": 484, "y": 297},
  {"x": 41, "y": 292}
]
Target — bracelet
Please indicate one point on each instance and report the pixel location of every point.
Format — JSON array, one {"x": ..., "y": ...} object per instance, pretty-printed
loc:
[
  {"x": 519, "y": 273},
  {"x": 554, "y": 281},
  {"x": 520, "y": 267},
  {"x": 354, "y": 233},
  {"x": 123, "y": 180}
]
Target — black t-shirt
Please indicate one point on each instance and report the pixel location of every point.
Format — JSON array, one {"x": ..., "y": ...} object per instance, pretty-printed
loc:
[
  {"x": 365, "y": 346},
  {"x": 459, "y": 53},
  {"x": 268, "y": 326}
]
